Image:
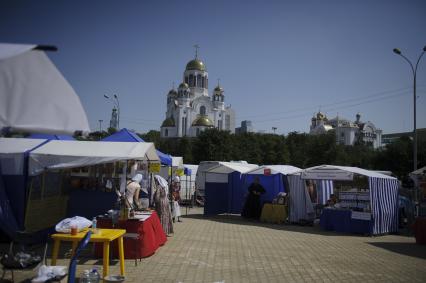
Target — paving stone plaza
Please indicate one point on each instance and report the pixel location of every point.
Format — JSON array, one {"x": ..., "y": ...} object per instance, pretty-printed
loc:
[{"x": 226, "y": 248}]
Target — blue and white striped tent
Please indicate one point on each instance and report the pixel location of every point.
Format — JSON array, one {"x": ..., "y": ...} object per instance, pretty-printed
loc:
[{"x": 383, "y": 194}]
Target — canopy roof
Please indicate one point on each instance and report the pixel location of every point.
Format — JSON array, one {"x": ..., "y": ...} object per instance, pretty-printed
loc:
[
  {"x": 124, "y": 135},
  {"x": 58, "y": 154},
  {"x": 34, "y": 95},
  {"x": 333, "y": 172},
  {"x": 18, "y": 145},
  {"x": 419, "y": 171},
  {"x": 229, "y": 167},
  {"x": 275, "y": 169},
  {"x": 52, "y": 137},
  {"x": 177, "y": 161}
]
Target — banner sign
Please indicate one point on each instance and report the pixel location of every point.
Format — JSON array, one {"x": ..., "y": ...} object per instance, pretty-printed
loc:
[
  {"x": 154, "y": 167},
  {"x": 327, "y": 174},
  {"x": 179, "y": 172}
]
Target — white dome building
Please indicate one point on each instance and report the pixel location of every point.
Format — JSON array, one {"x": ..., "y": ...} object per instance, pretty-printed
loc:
[
  {"x": 347, "y": 132},
  {"x": 191, "y": 110}
]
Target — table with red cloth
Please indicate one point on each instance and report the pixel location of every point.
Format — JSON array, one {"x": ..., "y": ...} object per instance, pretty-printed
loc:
[
  {"x": 419, "y": 228},
  {"x": 142, "y": 238}
]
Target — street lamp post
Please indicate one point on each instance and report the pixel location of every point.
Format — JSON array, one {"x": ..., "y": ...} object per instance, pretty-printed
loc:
[
  {"x": 414, "y": 69},
  {"x": 117, "y": 105}
]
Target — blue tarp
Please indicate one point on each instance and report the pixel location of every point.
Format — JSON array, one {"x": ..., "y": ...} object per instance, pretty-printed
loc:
[
  {"x": 273, "y": 185},
  {"x": 224, "y": 197},
  {"x": 125, "y": 135},
  {"x": 8, "y": 221}
]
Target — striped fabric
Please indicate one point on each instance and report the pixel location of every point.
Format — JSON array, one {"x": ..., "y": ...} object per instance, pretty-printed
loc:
[
  {"x": 324, "y": 190},
  {"x": 300, "y": 204},
  {"x": 384, "y": 204}
]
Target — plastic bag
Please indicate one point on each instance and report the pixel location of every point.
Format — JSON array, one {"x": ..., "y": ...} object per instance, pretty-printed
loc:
[{"x": 80, "y": 222}]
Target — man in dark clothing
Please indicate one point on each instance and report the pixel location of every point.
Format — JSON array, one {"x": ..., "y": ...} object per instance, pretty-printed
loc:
[{"x": 252, "y": 207}]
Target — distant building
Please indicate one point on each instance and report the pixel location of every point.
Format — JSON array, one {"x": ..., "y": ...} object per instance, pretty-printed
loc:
[
  {"x": 347, "y": 132},
  {"x": 191, "y": 110},
  {"x": 113, "y": 123},
  {"x": 390, "y": 138},
  {"x": 246, "y": 127}
]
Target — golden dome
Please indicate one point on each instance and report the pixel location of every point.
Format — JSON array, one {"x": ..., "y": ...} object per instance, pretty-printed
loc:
[
  {"x": 195, "y": 65},
  {"x": 183, "y": 85},
  {"x": 321, "y": 116},
  {"x": 203, "y": 121},
  {"x": 169, "y": 122},
  {"x": 218, "y": 88}
]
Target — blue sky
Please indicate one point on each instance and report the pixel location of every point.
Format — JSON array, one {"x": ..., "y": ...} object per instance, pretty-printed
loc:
[{"x": 278, "y": 61}]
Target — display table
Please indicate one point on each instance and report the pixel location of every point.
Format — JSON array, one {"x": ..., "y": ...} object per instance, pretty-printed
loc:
[
  {"x": 340, "y": 220},
  {"x": 419, "y": 228},
  {"x": 273, "y": 213},
  {"x": 143, "y": 236},
  {"x": 105, "y": 236}
]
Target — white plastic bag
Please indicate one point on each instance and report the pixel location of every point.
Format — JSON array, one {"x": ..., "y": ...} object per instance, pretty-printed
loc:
[{"x": 80, "y": 222}]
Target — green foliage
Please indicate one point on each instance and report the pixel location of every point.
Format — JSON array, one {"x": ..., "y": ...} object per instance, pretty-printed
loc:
[{"x": 297, "y": 149}]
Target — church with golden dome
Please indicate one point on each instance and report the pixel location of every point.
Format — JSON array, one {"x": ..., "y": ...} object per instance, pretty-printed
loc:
[
  {"x": 190, "y": 108},
  {"x": 347, "y": 132}
]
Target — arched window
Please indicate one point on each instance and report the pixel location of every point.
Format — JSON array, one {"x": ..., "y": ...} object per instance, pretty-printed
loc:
[
  {"x": 203, "y": 82},
  {"x": 199, "y": 81},
  {"x": 203, "y": 110},
  {"x": 166, "y": 132},
  {"x": 191, "y": 80}
]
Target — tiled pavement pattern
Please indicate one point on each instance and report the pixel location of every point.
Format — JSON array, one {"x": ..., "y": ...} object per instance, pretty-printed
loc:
[{"x": 230, "y": 249}]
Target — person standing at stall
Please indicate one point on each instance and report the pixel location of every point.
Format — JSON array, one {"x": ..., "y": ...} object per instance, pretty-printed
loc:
[
  {"x": 252, "y": 207},
  {"x": 175, "y": 194},
  {"x": 132, "y": 191},
  {"x": 161, "y": 202}
]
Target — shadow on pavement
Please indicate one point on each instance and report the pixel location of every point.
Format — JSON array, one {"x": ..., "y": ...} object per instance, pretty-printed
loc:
[{"x": 410, "y": 249}]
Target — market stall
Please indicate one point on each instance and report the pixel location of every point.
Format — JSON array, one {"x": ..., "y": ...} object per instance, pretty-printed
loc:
[
  {"x": 274, "y": 179},
  {"x": 366, "y": 201},
  {"x": 79, "y": 178},
  {"x": 144, "y": 234},
  {"x": 13, "y": 190},
  {"x": 224, "y": 192}
]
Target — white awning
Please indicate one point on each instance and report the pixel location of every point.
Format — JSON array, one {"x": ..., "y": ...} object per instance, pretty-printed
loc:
[
  {"x": 58, "y": 154},
  {"x": 34, "y": 95},
  {"x": 18, "y": 145},
  {"x": 229, "y": 167},
  {"x": 275, "y": 169},
  {"x": 333, "y": 172},
  {"x": 12, "y": 154},
  {"x": 177, "y": 161}
]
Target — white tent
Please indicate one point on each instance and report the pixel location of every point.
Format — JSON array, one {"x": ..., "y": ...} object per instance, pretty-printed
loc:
[
  {"x": 34, "y": 95},
  {"x": 275, "y": 169},
  {"x": 57, "y": 154},
  {"x": 12, "y": 154},
  {"x": 223, "y": 187},
  {"x": 383, "y": 194},
  {"x": 420, "y": 171},
  {"x": 177, "y": 162},
  {"x": 225, "y": 168}
]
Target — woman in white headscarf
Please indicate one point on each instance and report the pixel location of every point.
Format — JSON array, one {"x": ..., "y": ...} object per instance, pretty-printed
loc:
[
  {"x": 162, "y": 206},
  {"x": 132, "y": 191},
  {"x": 175, "y": 191}
]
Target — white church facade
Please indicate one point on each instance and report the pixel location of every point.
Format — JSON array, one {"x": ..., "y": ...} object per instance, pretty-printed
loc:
[
  {"x": 347, "y": 132},
  {"x": 190, "y": 108}
]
